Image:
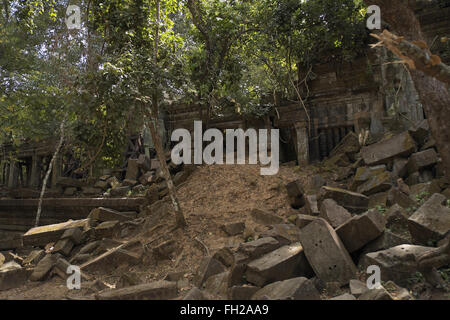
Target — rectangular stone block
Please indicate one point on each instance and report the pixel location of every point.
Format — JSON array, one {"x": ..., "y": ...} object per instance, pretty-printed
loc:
[
  {"x": 326, "y": 253},
  {"x": 400, "y": 145}
]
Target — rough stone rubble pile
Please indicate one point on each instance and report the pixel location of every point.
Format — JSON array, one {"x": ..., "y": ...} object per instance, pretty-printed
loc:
[{"x": 387, "y": 207}]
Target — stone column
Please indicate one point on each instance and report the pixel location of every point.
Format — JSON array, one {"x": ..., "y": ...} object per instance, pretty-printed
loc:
[
  {"x": 302, "y": 145},
  {"x": 56, "y": 171},
  {"x": 13, "y": 174},
  {"x": 35, "y": 171}
]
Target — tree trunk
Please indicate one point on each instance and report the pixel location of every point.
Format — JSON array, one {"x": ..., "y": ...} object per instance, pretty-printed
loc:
[
  {"x": 49, "y": 170},
  {"x": 154, "y": 131},
  {"x": 434, "y": 95}
]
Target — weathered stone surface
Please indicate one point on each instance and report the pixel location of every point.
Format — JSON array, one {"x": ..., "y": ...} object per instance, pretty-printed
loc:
[
  {"x": 113, "y": 182},
  {"x": 245, "y": 292},
  {"x": 399, "y": 168},
  {"x": 12, "y": 275},
  {"x": 425, "y": 190},
  {"x": 293, "y": 289},
  {"x": 43, "y": 268},
  {"x": 303, "y": 220},
  {"x": 431, "y": 222},
  {"x": 132, "y": 169},
  {"x": 90, "y": 191},
  {"x": 360, "y": 230},
  {"x": 378, "y": 199},
  {"x": 70, "y": 191},
  {"x": 63, "y": 246},
  {"x": 396, "y": 218},
  {"x": 400, "y": 145},
  {"x": 73, "y": 234},
  {"x": 397, "y": 263},
  {"x": 334, "y": 213},
  {"x": 112, "y": 259},
  {"x": 395, "y": 196},
  {"x": 225, "y": 256},
  {"x": 345, "y": 296},
  {"x": 348, "y": 145},
  {"x": 104, "y": 214},
  {"x": 34, "y": 257},
  {"x": 283, "y": 263},
  {"x": 352, "y": 201},
  {"x": 40, "y": 236},
  {"x": 217, "y": 286},
  {"x": 376, "y": 294},
  {"x": 420, "y": 132},
  {"x": 326, "y": 253},
  {"x": 120, "y": 191},
  {"x": 257, "y": 248},
  {"x": 421, "y": 160},
  {"x": 158, "y": 290},
  {"x": 107, "y": 229},
  {"x": 284, "y": 233},
  {"x": 208, "y": 267},
  {"x": 296, "y": 193},
  {"x": 363, "y": 174},
  {"x": 397, "y": 292},
  {"x": 377, "y": 183},
  {"x": 385, "y": 241},
  {"x": 195, "y": 294},
  {"x": 165, "y": 249},
  {"x": 69, "y": 182},
  {"x": 129, "y": 183},
  {"x": 265, "y": 217},
  {"x": 311, "y": 205},
  {"x": 357, "y": 287},
  {"x": 234, "y": 228}
]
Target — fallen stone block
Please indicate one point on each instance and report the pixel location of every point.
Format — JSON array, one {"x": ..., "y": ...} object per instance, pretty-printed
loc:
[
  {"x": 422, "y": 160},
  {"x": 41, "y": 236},
  {"x": 396, "y": 218},
  {"x": 334, "y": 213},
  {"x": 281, "y": 264},
  {"x": 352, "y": 201},
  {"x": 296, "y": 193},
  {"x": 257, "y": 248},
  {"x": 345, "y": 296},
  {"x": 63, "y": 246},
  {"x": 195, "y": 294},
  {"x": 376, "y": 294},
  {"x": 399, "y": 168},
  {"x": 234, "y": 228},
  {"x": 284, "y": 233},
  {"x": 292, "y": 289},
  {"x": 385, "y": 241},
  {"x": 326, "y": 253},
  {"x": 107, "y": 229},
  {"x": 225, "y": 256},
  {"x": 311, "y": 205},
  {"x": 377, "y": 183},
  {"x": 431, "y": 222},
  {"x": 34, "y": 257},
  {"x": 401, "y": 145},
  {"x": 74, "y": 234},
  {"x": 158, "y": 290},
  {"x": 208, "y": 267},
  {"x": 132, "y": 169},
  {"x": 420, "y": 132},
  {"x": 302, "y": 220},
  {"x": 244, "y": 292},
  {"x": 43, "y": 268},
  {"x": 217, "y": 285},
  {"x": 265, "y": 217},
  {"x": 12, "y": 275},
  {"x": 357, "y": 287},
  {"x": 360, "y": 230},
  {"x": 397, "y": 264},
  {"x": 395, "y": 196},
  {"x": 104, "y": 214},
  {"x": 120, "y": 191},
  {"x": 112, "y": 259},
  {"x": 363, "y": 174}
]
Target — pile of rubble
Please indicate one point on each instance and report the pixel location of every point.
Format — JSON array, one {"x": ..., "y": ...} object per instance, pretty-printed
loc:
[
  {"x": 143, "y": 177},
  {"x": 388, "y": 207}
]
